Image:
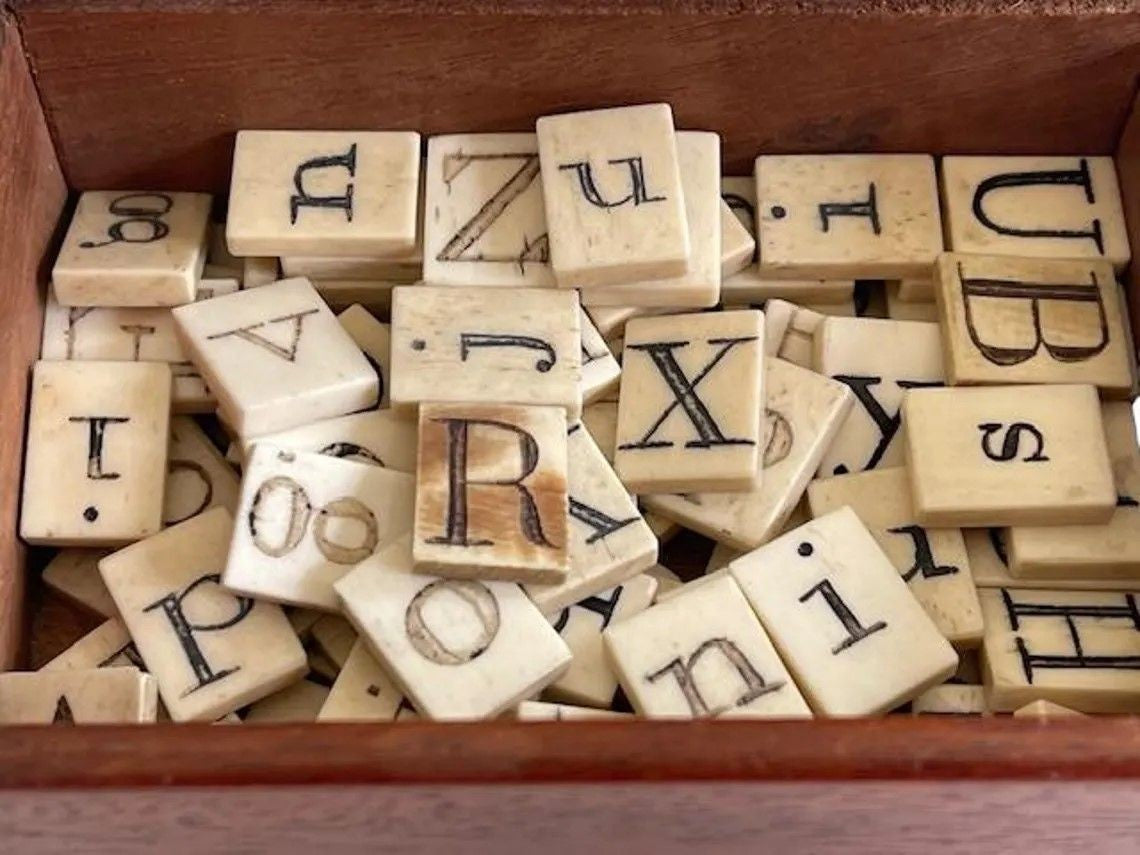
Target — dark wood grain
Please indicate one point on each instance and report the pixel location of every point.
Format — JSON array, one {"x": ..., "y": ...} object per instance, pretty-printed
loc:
[
  {"x": 32, "y": 195},
  {"x": 139, "y": 96}
]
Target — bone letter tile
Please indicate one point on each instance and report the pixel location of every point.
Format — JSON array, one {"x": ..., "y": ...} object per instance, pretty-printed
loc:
[
  {"x": 848, "y": 215},
  {"x": 334, "y": 636},
  {"x": 899, "y": 309},
  {"x": 108, "y": 645},
  {"x": 197, "y": 476},
  {"x": 803, "y": 413},
  {"x": 459, "y": 648},
  {"x": 541, "y": 711},
  {"x": 69, "y": 697},
  {"x": 600, "y": 419},
  {"x": 491, "y": 492},
  {"x": 375, "y": 339},
  {"x": 692, "y": 395},
  {"x": 591, "y": 681},
  {"x": 1008, "y": 455},
  {"x": 932, "y": 561},
  {"x": 614, "y": 200},
  {"x": 989, "y": 564},
  {"x": 74, "y": 575},
  {"x": 301, "y": 701},
  {"x": 1015, "y": 320},
  {"x": 851, "y": 632},
  {"x": 363, "y": 690},
  {"x": 258, "y": 270},
  {"x": 96, "y": 459},
  {"x": 211, "y": 652},
  {"x": 609, "y": 539},
  {"x": 879, "y": 360},
  {"x": 498, "y": 345},
  {"x": 1080, "y": 649},
  {"x": 132, "y": 249},
  {"x": 659, "y": 654},
  {"x": 1042, "y": 207},
  {"x": 601, "y": 372},
  {"x": 276, "y": 357},
  {"x": 737, "y": 245},
  {"x": 324, "y": 193},
  {"x": 1044, "y": 709},
  {"x": 920, "y": 290},
  {"x": 951, "y": 699},
  {"x": 304, "y": 520},
  {"x": 379, "y": 437}
]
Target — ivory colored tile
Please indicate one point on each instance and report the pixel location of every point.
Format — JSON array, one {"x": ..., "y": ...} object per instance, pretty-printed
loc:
[
  {"x": 1008, "y": 455},
  {"x": 932, "y": 561},
  {"x": 657, "y": 653},
  {"x": 600, "y": 419},
  {"x": 540, "y": 711},
  {"x": 988, "y": 562},
  {"x": 803, "y": 414},
  {"x": 375, "y": 339},
  {"x": 600, "y": 371},
  {"x": 1080, "y": 649},
  {"x": 667, "y": 580},
  {"x": 801, "y": 326},
  {"x": 363, "y": 691},
  {"x": 847, "y": 215},
  {"x": 1042, "y": 207},
  {"x": 665, "y": 596},
  {"x": 96, "y": 458},
  {"x": 484, "y": 222},
  {"x": 379, "y": 437},
  {"x": 1013, "y": 320},
  {"x": 211, "y": 652},
  {"x": 458, "y": 648},
  {"x": 304, "y": 520},
  {"x": 217, "y": 251},
  {"x": 258, "y": 270},
  {"x": 737, "y": 243},
  {"x": 335, "y": 637},
  {"x": 276, "y": 357},
  {"x": 698, "y": 155},
  {"x": 1110, "y": 551},
  {"x": 107, "y": 334},
  {"x": 108, "y": 645},
  {"x": 73, "y": 574},
  {"x": 323, "y": 193},
  {"x": 495, "y": 345},
  {"x": 951, "y": 699},
  {"x": 299, "y": 702},
  {"x": 69, "y": 697},
  {"x": 777, "y": 316},
  {"x": 303, "y": 621},
  {"x": 401, "y": 269},
  {"x": 216, "y": 286},
  {"x": 692, "y": 394},
  {"x": 899, "y": 309},
  {"x": 373, "y": 295},
  {"x": 611, "y": 320},
  {"x": 663, "y": 529},
  {"x": 721, "y": 556},
  {"x": 609, "y": 542},
  {"x": 851, "y": 632},
  {"x": 590, "y": 680},
  {"x": 197, "y": 476},
  {"x": 919, "y": 290},
  {"x": 879, "y": 361},
  {"x": 132, "y": 249},
  {"x": 491, "y": 493},
  {"x": 1045, "y": 709},
  {"x": 613, "y": 195}
]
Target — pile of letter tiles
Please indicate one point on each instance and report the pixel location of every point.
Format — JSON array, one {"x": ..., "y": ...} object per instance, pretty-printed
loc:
[{"x": 404, "y": 437}]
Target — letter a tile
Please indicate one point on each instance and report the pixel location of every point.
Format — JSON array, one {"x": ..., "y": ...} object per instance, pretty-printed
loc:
[
  {"x": 692, "y": 396},
  {"x": 212, "y": 652},
  {"x": 851, "y": 632},
  {"x": 82, "y": 696},
  {"x": 491, "y": 500}
]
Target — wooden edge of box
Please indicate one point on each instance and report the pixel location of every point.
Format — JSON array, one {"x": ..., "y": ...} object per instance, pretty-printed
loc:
[{"x": 1128, "y": 171}]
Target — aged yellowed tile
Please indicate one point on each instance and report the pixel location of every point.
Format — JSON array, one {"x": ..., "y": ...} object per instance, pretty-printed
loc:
[
  {"x": 379, "y": 437},
  {"x": 803, "y": 413},
  {"x": 400, "y": 269},
  {"x": 363, "y": 690},
  {"x": 989, "y": 564},
  {"x": 1008, "y": 455},
  {"x": 920, "y": 290},
  {"x": 375, "y": 295},
  {"x": 611, "y": 320},
  {"x": 797, "y": 344},
  {"x": 600, "y": 419},
  {"x": 197, "y": 476},
  {"x": 590, "y": 680},
  {"x": 951, "y": 699},
  {"x": 852, "y": 634},
  {"x": 1045, "y": 709},
  {"x": 665, "y": 596},
  {"x": 692, "y": 393},
  {"x": 663, "y": 529},
  {"x": 609, "y": 542},
  {"x": 80, "y": 696},
  {"x": 1038, "y": 206},
  {"x": 276, "y": 357},
  {"x": 335, "y": 637},
  {"x": 212, "y": 652},
  {"x": 258, "y": 270},
  {"x": 657, "y": 655},
  {"x": 601, "y": 372},
  {"x": 305, "y": 519},
  {"x": 498, "y": 345},
  {"x": 216, "y": 286},
  {"x": 667, "y": 580},
  {"x": 491, "y": 492},
  {"x": 323, "y": 193},
  {"x": 932, "y": 561},
  {"x": 484, "y": 222},
  {"x": 1021, "y": 320},
  {"x": 95, "y": 465},
  {"x": 458, "y": 648},
  {"x": 374, "y": 338},
  {"x": 698, "y": 154},
  {"x": 108, "y": 645},
  {"x": 880, "y": 361},
  {"x": 847, "y": 215},
  {"x": 218, "y": 252},
  {"x": 1080, "y": 649},
  {"x": 720, "y": 557},
  {"x": 73, "y": 574},
  {"x": 542, "y": 711},
  {"x": 132, "y": 249},
  {"x": 737, "y": 243},
  {"x": 301, "y": 701},
  {"x": 899, "y": 309}
]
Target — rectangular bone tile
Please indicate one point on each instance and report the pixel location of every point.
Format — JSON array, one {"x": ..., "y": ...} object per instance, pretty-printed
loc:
[
  {"x": 74, "y": 575},
  {"x": 737, "y": 244},
  {"x": 108, "y": 645},
  {"x": 82, "y": 696},
  {"x": 299, "y": 702},
  {"x": 197, "y": 476},
  {"x": 601, "y": 372},
  {"x": 379, "y": 437},
  {"x": 363, "y": 690},
  {"x": 375, "y": 339}
]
